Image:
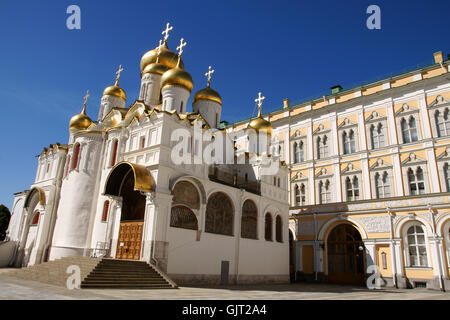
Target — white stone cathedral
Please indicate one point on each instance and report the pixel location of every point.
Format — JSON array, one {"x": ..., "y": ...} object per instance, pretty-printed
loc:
[{"x": 117, "y": 188}]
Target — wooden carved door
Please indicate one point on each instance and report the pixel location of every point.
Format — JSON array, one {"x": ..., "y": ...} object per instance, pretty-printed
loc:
[{"x": 130, "y": 239}]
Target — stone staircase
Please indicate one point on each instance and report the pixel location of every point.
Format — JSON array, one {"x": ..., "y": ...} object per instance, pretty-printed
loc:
[
  {"x": 55, "y": 272},
  {"x": 126, "y": 274}
]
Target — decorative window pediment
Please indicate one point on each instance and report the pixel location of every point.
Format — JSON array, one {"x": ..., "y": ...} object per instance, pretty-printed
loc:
[
  {"x": 298, "y": 176},
  {"x": 323, "y": 173},
  {"x": 351, "y": 169},
  {"x": 298, "y": 135},
  {"x": 413, "y": 159},
  {"x": 375, "y": 116},
  {"x": 406, "y": 109},
  {"x": 381, "y": 164},
  {"x": 347, "y": 123},
  {"x": 440, "y": 100},
  {"x": 444, "y": 155},
  {"x": 321, "y": 129}
]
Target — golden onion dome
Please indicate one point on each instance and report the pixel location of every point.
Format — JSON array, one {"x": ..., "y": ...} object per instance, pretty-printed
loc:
[
  {"x": 115, "y": 91},
  {"x": 156, "y": 68},
  {"x": 80, "y": 121},
  {"x": 177, "y": 76},
  {"x": 167, "y": 57},
  {"x": 260, "y": 124},
  {"x": 208, "y": 94}
]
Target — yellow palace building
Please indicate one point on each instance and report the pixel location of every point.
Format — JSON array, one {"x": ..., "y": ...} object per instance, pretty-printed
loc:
[{"x": 370, "y": 180}]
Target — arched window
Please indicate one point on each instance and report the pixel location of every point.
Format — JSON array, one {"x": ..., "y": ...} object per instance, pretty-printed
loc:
[
  {"x": 183, "y": 217},
  {"x": 114, "y": 152},
  {"x": 181, "y": 107},
  {"x": 324, "y": 192},
  {"x": 409, "y": 130},
  {"x": 76, "y": 156},
  {"x": 349, "y": 142},
  {"x": 442, "y": 123},
  {"x": 416, "y": 181},
  {"x": 300, "y": 195},
  {"x": 105, "y": 211},
  {"x": 296, "y": 153},
  {"x": 352, "y": 188},
  {"x": 447, "y": 176},
  {"x": 249, "y": 220},
  {"x": 219, "y": 214},
  {"x": 278, "y": 229},
  {"x": 67, "y": 166},
  {"x": 322, "y": 147},
  {"x": 268, "y": 227},
  {"x": 35, "y": 220},
  {"x": 142, "y": 142},
  {"x": 382, "y": 187},
  {"x": 377, "y": 136},
  {"x": 416, "y": 246}
]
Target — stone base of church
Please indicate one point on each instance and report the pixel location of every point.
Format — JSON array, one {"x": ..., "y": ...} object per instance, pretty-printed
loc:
[
  {"x": 61, "y": 252},
  {"x": 210, "y": 279}
]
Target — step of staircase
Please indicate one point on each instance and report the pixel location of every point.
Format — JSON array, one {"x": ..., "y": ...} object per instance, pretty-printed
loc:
[{"x": 125, "y": 274}]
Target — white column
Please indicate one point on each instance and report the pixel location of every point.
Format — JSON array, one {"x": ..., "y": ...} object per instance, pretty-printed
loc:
[
  {"x": 392, "y": 127},
  {"x": 311, "y": 186},
  {"x": 425, "y": 118},
  {"x": 397, "y": 174},
  {"x": 116, "y": 213},
  {"x": 433, "y": 171},
  {"x": 365, "y": 179},
  {"x": 334, "y": 136},
  {"x": 338, "y": 182},
  {"x": 362, "y": 131},
  {"x": 309, "y": 142}
]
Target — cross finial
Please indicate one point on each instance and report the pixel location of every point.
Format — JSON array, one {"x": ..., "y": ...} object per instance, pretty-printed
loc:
[
  {"x": 85, "y": 102},
  {"x": 208, "y": 74},
  {"x": 181, "y": 46},
  {"x": 158, "y": 53},
  {"x": 118, "y": 74},
  {"x": 166, "y": 31},
  {"x": 86, "y": 97},
  {"x": 259, "y": 102}
]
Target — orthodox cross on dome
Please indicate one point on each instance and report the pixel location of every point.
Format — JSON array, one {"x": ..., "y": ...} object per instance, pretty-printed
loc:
[
  {"x": 208, "y": 74},
  {"x": 118, "y": 74},
  {"x": 181, "y": 46},
  {"x": 259, "y": 102},
  {"x": 85, "y": 102},
  {"x": 158, "y": 53},
  {"x": 166, "y": 32},
  {"x": 86, "y": 97}
]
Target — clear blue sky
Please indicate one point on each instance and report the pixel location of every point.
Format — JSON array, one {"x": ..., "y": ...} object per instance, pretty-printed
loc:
[{"x": 295, "y": 49}]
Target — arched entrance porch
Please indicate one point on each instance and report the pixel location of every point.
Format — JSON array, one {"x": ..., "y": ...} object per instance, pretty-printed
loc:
[
  {"x": 346, "y": 255},
  {"x": 129, "y": 181}
]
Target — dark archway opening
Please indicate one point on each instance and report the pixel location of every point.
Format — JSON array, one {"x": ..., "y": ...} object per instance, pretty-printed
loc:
[{"x": 346, "y": 256}]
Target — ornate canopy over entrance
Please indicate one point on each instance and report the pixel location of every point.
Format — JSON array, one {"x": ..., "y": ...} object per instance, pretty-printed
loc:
[
  {"x": 128, "y": 181},
  {"x": 143, "y": 180},
  {"x": 30, "y": 195}
]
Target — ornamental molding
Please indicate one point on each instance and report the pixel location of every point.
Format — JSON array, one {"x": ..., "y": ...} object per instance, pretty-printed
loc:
[
  {"x": 406, "y": 109},
  {"x": 376, "y": 224},
  {"x": 439, "y": 101},
  {"x": 375, "y": 116},
  {"x": 413, "y": 159},
  {"x": 381, "y": 164}
]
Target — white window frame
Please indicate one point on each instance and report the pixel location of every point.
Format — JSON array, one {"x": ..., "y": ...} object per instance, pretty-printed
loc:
[{"x": 406, "y": 227}]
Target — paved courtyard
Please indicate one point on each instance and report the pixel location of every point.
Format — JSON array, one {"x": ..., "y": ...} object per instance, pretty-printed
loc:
[{"x": 18, "y": 289}]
